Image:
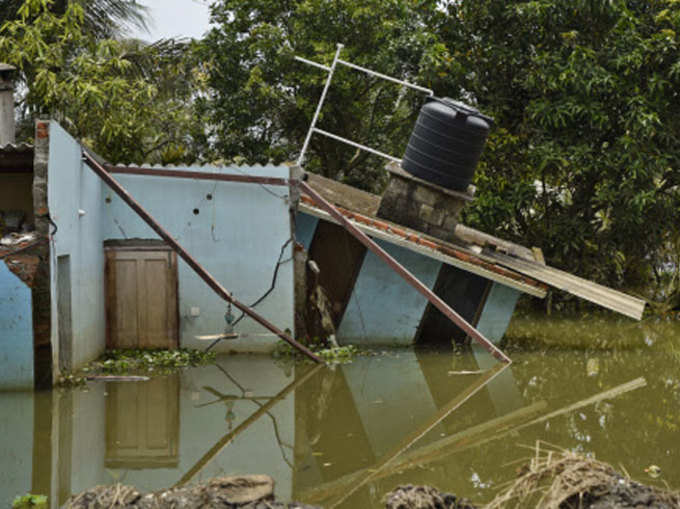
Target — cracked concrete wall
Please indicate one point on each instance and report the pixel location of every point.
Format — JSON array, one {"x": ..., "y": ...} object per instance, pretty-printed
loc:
[
  {"x": 235, "y": 230},
  {"x": 75, "y": 206}
]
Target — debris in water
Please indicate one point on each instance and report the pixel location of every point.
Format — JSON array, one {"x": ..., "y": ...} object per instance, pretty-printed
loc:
[
  {"x": 593, "y": 366},
  {"x": 118, "y": 378},
  {"x": 424, "y": 497},
  {"x": 653, "y": 471}
]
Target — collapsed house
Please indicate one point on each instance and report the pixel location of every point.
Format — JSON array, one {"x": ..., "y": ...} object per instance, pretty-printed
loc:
[{"x": 91, "y": 274}]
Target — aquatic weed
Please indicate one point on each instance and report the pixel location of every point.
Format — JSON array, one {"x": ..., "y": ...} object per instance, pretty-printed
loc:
[
  {"x": 157, "y": 360},
  {"x": 331, "y": 355},
  {"x": 70, "y": 380},
  {"x": 30, "y": 500}
]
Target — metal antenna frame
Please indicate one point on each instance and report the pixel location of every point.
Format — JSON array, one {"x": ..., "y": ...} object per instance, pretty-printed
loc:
[{"x": 331, "y": 70}]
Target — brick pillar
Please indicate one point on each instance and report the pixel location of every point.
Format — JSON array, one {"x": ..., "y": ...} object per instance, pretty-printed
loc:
[
  {"x": 421, "y": 205},
  {"x": 42, "y": 303}
]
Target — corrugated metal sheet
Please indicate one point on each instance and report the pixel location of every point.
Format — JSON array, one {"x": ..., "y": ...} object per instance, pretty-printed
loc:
[
  {"x": 16, "y": 148},
  {"x": 593, "y": 292},
  {"x": 16, "y": 157},
  {"x": 483, "y": 269}
]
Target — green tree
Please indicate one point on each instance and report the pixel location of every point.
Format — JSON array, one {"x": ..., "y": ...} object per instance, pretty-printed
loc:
[
  {"x": 584, "y": 159},
  {"x": 128, "y": 101},
  {"x": 262, "y": 101},
  {"x": 102, "y": 18}
]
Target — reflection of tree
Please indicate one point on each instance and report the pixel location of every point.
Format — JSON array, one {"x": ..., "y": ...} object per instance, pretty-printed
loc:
[{"x": 229, "y": 400}]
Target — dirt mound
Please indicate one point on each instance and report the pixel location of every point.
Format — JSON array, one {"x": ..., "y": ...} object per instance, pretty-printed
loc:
[
  {"x": 423, "y": 497},
  {"x": 238, "y": 492},
  {"x": 558, "y": 479},
  {"x": 552, "y": 479}
]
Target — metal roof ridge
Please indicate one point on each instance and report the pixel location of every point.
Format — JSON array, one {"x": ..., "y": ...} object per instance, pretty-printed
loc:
[
  {"x": 436, "y": 248},
  {"x": 17, "y": 147}
]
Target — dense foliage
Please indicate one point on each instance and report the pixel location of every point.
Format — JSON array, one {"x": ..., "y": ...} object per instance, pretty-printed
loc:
[
  {"x": 127, "y": 100},
  {"x": 263, "y": 101},
  {"x": 582, "y": 160},
  {"x": 101, "y": 18}
]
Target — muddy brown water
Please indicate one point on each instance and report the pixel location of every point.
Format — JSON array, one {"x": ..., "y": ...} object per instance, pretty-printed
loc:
[{"x": 343, "y": 437}]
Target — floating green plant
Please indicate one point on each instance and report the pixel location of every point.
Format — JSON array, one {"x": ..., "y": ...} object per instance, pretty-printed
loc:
[
  {"x": 332, "y": 355},
  {"x": 148, "y": 361},
  {"x": 30, "y": 501}
]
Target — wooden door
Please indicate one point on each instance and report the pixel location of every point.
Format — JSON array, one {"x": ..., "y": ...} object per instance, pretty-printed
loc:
[{"x": 141, "y": 298}]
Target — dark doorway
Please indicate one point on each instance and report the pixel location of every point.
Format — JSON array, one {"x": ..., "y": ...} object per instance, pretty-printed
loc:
[
  {"x": 339, "y": 257},
  {"x": 465, "y": 292},
  {"x": 64, "y": 313}
]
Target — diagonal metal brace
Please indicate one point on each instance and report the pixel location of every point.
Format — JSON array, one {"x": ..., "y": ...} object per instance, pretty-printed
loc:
[
  {"x": 190, "y": 260},
  {"x": 406, "y": 275}
]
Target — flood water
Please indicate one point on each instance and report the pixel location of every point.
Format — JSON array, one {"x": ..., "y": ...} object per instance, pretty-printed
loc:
[{"x": 344, "y": 437}]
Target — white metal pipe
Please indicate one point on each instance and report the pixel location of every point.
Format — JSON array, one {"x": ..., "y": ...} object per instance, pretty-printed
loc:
[
  {"x": 312, "y": 63},
  {"x": 385, "y": 77},
  {"x": 357, "y": 145},
  {"x": 318, "y": 106}
]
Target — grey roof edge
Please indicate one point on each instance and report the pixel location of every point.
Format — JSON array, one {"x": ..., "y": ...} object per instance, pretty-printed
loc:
[
  {"x": 604, "y": 296},
  {"x": 16, "y": 148},
  {"x": 434, "y": 254}
]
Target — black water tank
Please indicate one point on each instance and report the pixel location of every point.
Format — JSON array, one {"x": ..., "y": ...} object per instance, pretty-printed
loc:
[{"x": 446, "y": 143}]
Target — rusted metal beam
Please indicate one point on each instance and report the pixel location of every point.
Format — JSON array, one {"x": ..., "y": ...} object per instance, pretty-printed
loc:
[
  {"x": 199, "y": 175},
  {"x": 405, "y": 274},
  {"x": 184, "y": 254}
]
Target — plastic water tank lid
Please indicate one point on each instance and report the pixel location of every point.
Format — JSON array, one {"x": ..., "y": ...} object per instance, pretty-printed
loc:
[{"x": 466, "y": 109}]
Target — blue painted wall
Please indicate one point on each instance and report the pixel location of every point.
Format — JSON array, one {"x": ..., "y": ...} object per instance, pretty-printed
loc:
[
  {"x": 16, "y": 332},
  {"x": 497, "y": 312},
  {"x": 237, "y": 236},
  {"x": 305, "y": 228},
  {"x": 383, "y": 308},
  {"x": 72, "y": 186}
]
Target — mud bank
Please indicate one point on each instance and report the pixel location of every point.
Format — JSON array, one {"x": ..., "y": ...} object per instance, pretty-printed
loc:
[
  {"x": 237, "y": 492},
  {"x": 552, "y": 479}
]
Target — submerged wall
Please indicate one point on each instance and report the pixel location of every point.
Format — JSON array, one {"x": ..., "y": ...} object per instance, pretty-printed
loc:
[
  {"x": 77, "y": 261},
  {"x": 235, "y": 230},
  {"x": 16, "y": 332},
  {"x": 384, "y": 309}
]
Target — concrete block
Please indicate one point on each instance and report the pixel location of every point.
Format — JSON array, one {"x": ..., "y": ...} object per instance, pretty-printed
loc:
[
  {"x": 431, "y": 215},
  {"x": 425, "y": 195}
]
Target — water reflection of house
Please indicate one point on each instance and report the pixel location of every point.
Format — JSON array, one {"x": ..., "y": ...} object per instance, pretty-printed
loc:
[
  {"x": 323, "y": 434},
  {"x": 147, "y": 434},
  {"x": 305, "y": 427},
  {"x": 92, "y": 259}
]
